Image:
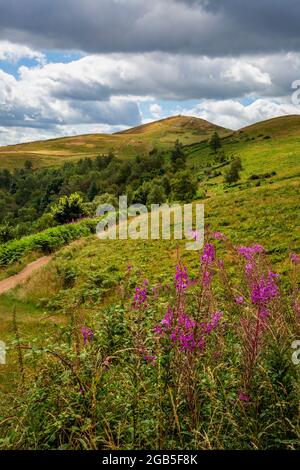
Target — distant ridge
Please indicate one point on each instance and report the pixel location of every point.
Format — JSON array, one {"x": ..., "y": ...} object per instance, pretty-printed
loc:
[
  {"x": 178, "y": 123},
  {"x": 139, "y": 140},
  {"x": 160, "y": 134}
]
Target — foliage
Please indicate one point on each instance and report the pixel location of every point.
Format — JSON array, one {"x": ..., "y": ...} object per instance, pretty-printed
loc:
[
  {"x": 215, "y": 142},
  {"x": 203, "y": 362},
  {"x": 46, "y": 241},
  {"x": 68, "y": 209},
  {"x": 178, "y": 156},
  {"x": 232, "y": 174},
  {"x": 184, "y": 187}
]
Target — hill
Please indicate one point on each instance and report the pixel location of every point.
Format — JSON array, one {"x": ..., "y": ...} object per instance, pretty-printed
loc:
[
  {"x": 284, "y": 126},
  {"x": 140, "y": 140}
]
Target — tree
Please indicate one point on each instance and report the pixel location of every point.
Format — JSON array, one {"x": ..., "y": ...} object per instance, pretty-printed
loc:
[
  {"x": 92, "y": 191},
  {"x": 184, "y": 187},
  {"x": 178, "y": 156},
  {"x": 156, "y": 195},
  {"x": 6, "y": 233},
  {"x": 237, "y": 163},
  {"x": 215, "y": 142},
  {"x": 141, "y": 193},
  {"x": 68, "y": 208},
  {"x": 28, "y": 165},
  {"x": 232, "y": 174}
]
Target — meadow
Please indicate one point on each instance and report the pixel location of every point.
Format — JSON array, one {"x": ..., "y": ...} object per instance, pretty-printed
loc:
[{"x": 129, "y": 344}]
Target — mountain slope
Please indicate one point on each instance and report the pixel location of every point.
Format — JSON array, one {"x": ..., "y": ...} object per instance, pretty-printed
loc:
[
  {"x": 161, "y": 134},
  {"x": 283, "y": 126}
]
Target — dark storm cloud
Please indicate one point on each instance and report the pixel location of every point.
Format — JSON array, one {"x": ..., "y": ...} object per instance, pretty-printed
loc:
[{"x": 208, "y": 27}]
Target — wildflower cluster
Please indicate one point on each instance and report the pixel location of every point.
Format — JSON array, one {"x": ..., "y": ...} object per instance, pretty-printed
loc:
[
  {"x": 140, "y": 296},
  {"x": 263, "y": 292},
  {"x": 87, "y": 334}
]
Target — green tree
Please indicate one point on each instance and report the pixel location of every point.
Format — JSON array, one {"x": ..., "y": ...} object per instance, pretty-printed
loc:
[
  {"x": 215, "y": 142},
  {"x": 92, "y": 191},
  {"x": 232, "y": 174},
  {"x": 28, "y": 165},
  {"x": 184, "y": 187},
  {"x": 6, "y": 233},
  {"x": 178, "y": 156},
  {"x": 156, "y": 195},
  {"x": 68, "y": 208}
]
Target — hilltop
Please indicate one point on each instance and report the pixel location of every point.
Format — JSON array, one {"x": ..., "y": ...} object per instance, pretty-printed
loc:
[{"x": 139, "y": 140}]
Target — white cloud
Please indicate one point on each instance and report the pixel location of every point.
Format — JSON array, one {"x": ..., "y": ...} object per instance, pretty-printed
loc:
[
  {"x": 156, "y": 110},
  {"x": 234, "y": 115},
  {"x": 11, "y": 52},
  {"x": 105, "y": 90}
]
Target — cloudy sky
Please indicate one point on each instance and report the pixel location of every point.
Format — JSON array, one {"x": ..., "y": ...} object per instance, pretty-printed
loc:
[{"x": 80, "y": 66}]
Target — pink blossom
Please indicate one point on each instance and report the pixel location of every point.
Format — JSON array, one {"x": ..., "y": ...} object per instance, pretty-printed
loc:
[
  {"x": 243, "y": 396},
  {"x": 181, "y": 281},
  {"x": 249, "y": 251},
  {"x": 239, "y": 300},
  {"x": 295, "y": 258},
  {"x": 208, "y": 253},
  {"x": 87, "y": 334},
  {"x": 149, "y": 358},
  {"x": 140, "y": 297},
  {"x": 213, "y": 323},
  {"x": 263, "y": 292},
  {"x": 218, "y": 235},
  {"x": 195, "y": 235}
]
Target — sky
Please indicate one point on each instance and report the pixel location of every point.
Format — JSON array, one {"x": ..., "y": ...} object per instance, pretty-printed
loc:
[{"x": 82, "y": 66}]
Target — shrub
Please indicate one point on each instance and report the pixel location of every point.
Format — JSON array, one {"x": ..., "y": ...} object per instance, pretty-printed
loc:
[
  {"x": 68, "y": 209},
  {"x": 46, "y": 242}
]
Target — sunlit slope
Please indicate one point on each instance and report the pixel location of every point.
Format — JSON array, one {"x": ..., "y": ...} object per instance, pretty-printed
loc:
[
  {"x": 265, "y": 147},
  {"x": 160, "y": 134}
]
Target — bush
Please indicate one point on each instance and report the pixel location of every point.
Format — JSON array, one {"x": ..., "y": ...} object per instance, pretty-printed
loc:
[
  {"x": 6, "y": 233},
  {"x": 184, "y": 187},
  {"x": 46, "y": 242},
  {"x": 68, "y": 209}
]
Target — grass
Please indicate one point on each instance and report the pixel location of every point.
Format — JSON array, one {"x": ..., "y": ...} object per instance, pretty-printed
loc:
[{"x": 140, "y": 140}]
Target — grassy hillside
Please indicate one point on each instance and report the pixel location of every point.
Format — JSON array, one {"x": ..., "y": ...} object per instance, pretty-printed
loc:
[
  {"x": 92, "y": 282},
  {"x": 160, "y": 134},
  {"x": 266, "y": 147}
]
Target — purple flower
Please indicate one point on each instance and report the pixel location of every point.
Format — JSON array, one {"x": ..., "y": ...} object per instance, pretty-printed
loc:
[
  {"x": 195, "y": 235},
  {"x": 181, "y": 281},
  {"x": 167, "y": 320},
  {"x": 218, "y": 235},
  {"x": 249, "y": 267},
  {"x": 239, "y": 300},
  {"x": 149, "y": 358},
  {"x": 295, "y": 258},
  {"x": 208, "y": 253},
  {"x": 140, "y": 297},
  {"x": 263, "y": 292},
  {"x": 206, "y": 279},
  {"x": 249, "y": 251},
  {"x": 87, "y": 334},
  {"x": 207, "y": 328},
  {"x": 243, "y": 396}
]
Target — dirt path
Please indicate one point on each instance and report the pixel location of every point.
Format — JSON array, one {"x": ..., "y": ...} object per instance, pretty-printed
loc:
[{"x": 13, "y": 281}]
